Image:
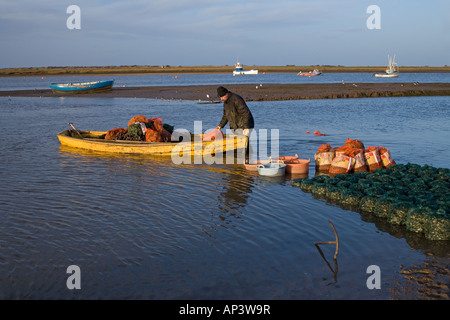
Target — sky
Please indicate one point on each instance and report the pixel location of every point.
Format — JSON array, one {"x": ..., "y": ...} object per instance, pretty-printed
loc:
[{"x": 216, "y": 33}]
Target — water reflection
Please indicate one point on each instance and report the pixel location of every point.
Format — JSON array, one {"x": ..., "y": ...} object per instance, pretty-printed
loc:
[
  {"x": 414, "y": 240},
  {"x": 236, "y": 190},
  {"x": 336, "y": 244},
  {"x": 159, "y": 174},
  {"x": 333, "y": 270}
]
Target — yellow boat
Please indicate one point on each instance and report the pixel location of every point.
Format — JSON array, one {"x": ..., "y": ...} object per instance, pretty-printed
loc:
[{"x": 94, "y": 140}]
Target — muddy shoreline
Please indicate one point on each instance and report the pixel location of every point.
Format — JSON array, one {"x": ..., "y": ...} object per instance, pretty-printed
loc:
[{"x": 258, "y": 92}]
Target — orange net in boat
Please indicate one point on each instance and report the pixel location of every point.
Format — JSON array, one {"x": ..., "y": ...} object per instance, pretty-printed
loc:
[{"x": 114, "y": 133}]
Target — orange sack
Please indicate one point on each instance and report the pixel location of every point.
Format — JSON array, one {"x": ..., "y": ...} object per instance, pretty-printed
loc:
[
  {"x": 342, "y": 164},
  {"x": 357, "y": 162},
  {"x": 140, "y": 118},
  {"x": 373, "y": 160},
  {"x": 323, "y": 160},
  {"x": 343, "y": 150},
  {"x": 353, "y": 152},
  {"x": 157, "y": 133},
  {"x": 152, "y": 135},
  {"x": 386, "y": 158},
  {"x": 354, "y": 143},
  {"x": 157, "y": 123},
  {"x": 114, "y": 133},
  {"x": 324, "y": 148},
  {"x": 360, "y": 161}
]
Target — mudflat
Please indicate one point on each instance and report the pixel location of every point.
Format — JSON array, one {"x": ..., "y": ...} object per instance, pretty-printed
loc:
[{"x": 257, "y": 92}]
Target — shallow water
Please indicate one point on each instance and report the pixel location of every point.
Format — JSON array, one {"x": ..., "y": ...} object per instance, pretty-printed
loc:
[
  {"x": 30, "y": 83},
  {"x": 145, "y": 228}
]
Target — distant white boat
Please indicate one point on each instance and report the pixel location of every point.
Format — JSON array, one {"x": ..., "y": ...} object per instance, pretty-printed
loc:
[
  {"x": 391, "y": 71},
  {"x": 240, "y": 70}
]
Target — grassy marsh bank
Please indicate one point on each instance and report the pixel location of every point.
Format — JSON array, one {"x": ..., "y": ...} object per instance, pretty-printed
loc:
[{"x": 134, "y": 69}]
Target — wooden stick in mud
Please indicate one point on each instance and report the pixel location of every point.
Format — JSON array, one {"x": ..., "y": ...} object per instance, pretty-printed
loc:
[{"x": 332, "y": 242}]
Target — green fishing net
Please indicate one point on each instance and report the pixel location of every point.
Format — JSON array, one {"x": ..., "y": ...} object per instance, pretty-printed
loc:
[
  {"x": 398, "y": 212},
  {"x": 410, "y": 195},
  {"x": 437, "y": 225},
  {"x": 367, "y": 204},
  {"x": 351, "y": 198},
  {"x": 416, "y": 219},
  {"x": 135, "y": 130}
]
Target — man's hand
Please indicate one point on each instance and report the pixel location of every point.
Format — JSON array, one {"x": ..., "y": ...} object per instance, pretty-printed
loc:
[{"x": 245, "y": 132}]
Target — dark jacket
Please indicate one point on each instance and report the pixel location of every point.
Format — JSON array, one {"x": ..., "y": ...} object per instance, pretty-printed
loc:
[{"x": 237, "y": 113}]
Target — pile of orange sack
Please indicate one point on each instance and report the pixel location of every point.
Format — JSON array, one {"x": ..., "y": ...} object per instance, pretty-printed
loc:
[
  {"x": 352, "y": 157},
  {"x": 141, "y": 128}
]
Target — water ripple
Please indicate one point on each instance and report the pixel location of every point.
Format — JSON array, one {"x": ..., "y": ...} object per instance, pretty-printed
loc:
[{"x": 143, "y": 227}]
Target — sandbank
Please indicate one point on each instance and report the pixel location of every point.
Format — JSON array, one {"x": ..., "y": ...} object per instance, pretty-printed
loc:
[{"x": 258, "y": 92}]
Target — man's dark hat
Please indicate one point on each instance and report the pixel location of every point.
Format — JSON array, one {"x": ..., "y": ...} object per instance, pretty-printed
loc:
[{"x": 221, "y": 91}]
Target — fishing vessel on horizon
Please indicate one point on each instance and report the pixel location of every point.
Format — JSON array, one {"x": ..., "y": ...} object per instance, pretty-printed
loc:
[
  {"x": 240, "y": 70},
  {"x": 391, "y": 71},
  {"x": 315, "y": 72}
]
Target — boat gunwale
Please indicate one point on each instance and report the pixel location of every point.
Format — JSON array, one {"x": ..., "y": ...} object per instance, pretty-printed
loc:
[
  {"x": 123, "y": 143},
  {"x": 65, "y": 134},
  {"x": 74, "y": 84}
]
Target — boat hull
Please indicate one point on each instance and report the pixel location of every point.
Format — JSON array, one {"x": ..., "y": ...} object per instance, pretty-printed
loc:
[
  {"x": 310, "y": 74},
  {"x": 386, "y": 75},
  {"x": 245, "y": 72},
  {"x": 92, "y": 140},
  {"x": 82, "y": 87}
]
